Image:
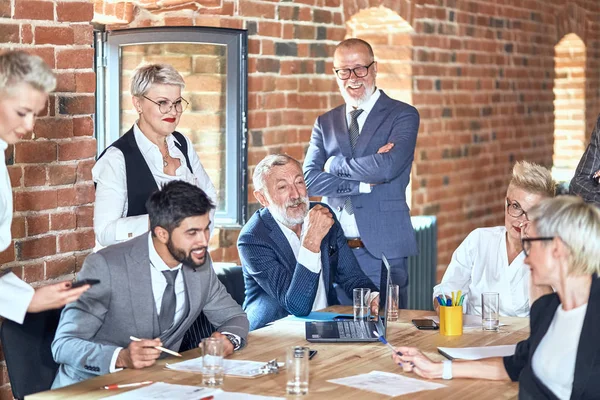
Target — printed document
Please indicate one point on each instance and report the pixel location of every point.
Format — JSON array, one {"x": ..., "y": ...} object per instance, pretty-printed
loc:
[
  {"x": 241, "y": 368},
  {"x": 387, "y": 383},
  {"x": 161, "y": 390},
  {"x": 477, "y": 353}
]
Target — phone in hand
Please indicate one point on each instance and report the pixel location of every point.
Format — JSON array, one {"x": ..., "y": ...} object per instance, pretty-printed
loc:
[
  {"x": 82, "y": 282},
  {"x": 425, "y": 324}
]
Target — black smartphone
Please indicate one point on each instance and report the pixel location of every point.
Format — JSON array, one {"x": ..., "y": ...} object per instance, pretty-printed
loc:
[
  {"x": 426, "y": 324},
  {"x": 311, "y": 354},
  {"x": 82, "y": 282}
]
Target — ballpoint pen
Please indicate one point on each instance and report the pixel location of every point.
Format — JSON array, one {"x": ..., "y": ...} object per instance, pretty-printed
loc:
[
  {"x": 171, "y": 352},
  {"x": 126, "y": 385},
  {"x": 382, "y": 340}
]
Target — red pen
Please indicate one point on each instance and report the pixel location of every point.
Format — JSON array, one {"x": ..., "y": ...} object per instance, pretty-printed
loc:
[
  {"x": 126, "y": 385},
  {"x": 208, "y": 398}
]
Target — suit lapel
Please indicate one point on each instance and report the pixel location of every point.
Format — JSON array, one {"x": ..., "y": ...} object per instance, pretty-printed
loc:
[
  {"x": 589, "y": 346},
  {"x": 140, "y": 287},
  {"x": 341, "y": 131},
  {"x": 278, "y": 237},
  {"x": 374, "y": 119}
]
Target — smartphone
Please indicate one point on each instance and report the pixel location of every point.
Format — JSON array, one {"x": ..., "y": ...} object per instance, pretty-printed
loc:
[
  {"x": 426, "y": 324},
  {"x": 82, "y": 282},
  {"x": 311, "y": 354}
]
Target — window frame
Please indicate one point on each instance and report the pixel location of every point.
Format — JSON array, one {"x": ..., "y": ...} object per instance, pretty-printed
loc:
[{"x": 108, "y": 86}]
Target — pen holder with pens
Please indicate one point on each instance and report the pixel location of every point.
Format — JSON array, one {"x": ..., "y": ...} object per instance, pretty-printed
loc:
[{"x": 451, "y": 320}]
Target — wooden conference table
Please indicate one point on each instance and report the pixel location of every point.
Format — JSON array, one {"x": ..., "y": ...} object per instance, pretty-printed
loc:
[{"x": 332, "y": 361}]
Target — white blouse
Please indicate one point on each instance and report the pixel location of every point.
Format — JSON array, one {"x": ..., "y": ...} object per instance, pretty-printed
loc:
[
  {"x": 15, "y": 295},
  {"x": 111, "y": 224},
  {"x": 479, "y": 265}
]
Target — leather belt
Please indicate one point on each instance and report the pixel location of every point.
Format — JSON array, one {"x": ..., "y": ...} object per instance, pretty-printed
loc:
[{"x": 355, "y": 243}]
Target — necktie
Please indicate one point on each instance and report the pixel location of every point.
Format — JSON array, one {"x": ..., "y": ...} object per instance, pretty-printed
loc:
[
  {"x": 354, "y": 132},
  {"x": 167, "y": 306}
]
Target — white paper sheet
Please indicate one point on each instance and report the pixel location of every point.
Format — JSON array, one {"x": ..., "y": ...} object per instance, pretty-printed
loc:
[
  {"x": 469, "y": 321},
  {"x": 386, "y": 383},
  {"x": 240, "y": 368},
  {"x": 161, "y": 390},
  {"x": 477, "y": 353}
]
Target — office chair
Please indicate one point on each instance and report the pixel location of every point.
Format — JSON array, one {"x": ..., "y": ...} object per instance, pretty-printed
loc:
[{"x": 27, "y": 353}]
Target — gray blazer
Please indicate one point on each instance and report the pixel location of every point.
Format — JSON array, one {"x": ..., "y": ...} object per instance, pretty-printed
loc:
[
  {"x": 122, "y": 305},
  {"x": 382, "y": 216},
  {"x": 582, "y": 183}
]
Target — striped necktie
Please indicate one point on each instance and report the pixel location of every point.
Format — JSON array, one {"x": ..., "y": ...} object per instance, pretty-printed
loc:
[{"x": 354, "y": 132}]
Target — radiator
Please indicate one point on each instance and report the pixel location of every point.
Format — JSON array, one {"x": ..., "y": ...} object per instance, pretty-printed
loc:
[{"x": 422, "y": 267}]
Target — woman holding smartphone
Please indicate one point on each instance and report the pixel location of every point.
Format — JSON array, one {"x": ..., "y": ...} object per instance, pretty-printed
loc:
[{"x": 25, "y": 81}]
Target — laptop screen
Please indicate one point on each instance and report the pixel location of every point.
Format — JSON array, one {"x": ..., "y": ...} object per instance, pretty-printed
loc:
[{"x": 383, "y": 290}]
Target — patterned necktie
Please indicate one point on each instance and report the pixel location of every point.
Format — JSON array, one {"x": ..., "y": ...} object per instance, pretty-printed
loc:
[
  {"x": 354, "y": 132},
  {"x": 167, "y": 306}
]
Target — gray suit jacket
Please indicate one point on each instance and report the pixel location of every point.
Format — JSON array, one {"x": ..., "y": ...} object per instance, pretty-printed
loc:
[
  {"x": 382, "y": 216},
  {"x": 582, "y": 183},
  {"x": 122, "y": 305}
]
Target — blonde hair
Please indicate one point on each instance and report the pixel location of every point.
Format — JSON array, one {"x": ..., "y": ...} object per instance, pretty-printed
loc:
[
  {"x": 147, "y": 75},
  {"x": 577, "y": 224},
  {"x": 533, "y": 178},
  {"x": 18, "y": 66}
]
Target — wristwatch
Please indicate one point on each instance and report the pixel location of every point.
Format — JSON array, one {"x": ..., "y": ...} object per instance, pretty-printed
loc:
[
  {"x": 235, "y": 341},
  {"x": 447, "y": 371}
]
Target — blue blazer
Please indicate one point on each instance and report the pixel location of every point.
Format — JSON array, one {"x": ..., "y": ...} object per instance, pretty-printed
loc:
[
  {"x": 277, "y": 285},
  {"x": 382, "y": 216}
]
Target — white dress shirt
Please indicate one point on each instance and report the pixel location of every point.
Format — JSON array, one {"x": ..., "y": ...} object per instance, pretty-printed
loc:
[
  {"x": 347, "y": 221},
  {"x": 480, "y": 264},
  {"x": 15, "y": 295},
  {"x": 554, "y": 359},
  {"x": 312, "y": 261},
  {"x": 111, "y": 224}
]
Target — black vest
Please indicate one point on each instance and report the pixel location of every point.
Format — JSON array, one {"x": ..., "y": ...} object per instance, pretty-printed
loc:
[{"x": 140, "y": 181}]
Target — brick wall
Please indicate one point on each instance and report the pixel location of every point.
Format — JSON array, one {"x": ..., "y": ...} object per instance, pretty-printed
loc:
[
  {"x": 481, "y": 74},
  {"x": 50, "y": 170}
]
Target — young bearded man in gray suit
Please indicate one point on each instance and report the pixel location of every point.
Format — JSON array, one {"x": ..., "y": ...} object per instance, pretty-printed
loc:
[
  {"x": 152, "y": 287},
  {"x": 293, "y": 251},
  {"x": 359, "y": 160}
]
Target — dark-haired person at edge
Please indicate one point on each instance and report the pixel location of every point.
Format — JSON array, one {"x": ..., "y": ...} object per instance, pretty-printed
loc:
[
  {"x": 150, "y": 154},
  {"x": 560, "y": 359},
  {"x": 152, "y": 287},
  {"x": 25, "y": 81}
]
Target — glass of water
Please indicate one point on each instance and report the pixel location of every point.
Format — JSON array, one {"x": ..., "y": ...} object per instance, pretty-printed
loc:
[
  {"x": 297, "y": 370},
  {"x": 361, "y": 304},
  {"x": 490, "y": 311},
  {"x": 212, "y": 361}
]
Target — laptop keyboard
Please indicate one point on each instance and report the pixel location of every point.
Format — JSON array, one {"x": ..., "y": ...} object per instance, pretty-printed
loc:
[{"x": 353, "y": 329}]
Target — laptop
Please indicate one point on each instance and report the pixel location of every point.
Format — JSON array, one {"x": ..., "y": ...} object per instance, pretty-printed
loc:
[{"x": 354, "y": 331}]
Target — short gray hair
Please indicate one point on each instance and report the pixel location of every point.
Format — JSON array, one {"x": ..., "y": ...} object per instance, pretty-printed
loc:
[
  {"x": 147, "y": 75},
  {"x": 264, "y": 167},
  {"x": 18, "y": 66},
  {"x": 533, "y": 178},
  {"x": 577, "y": 224}
]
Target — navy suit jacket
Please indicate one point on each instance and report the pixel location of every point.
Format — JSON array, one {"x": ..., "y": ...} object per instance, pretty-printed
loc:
[
  {"x": 277, "y": 285},
  {"x": 382, "y": 216}
]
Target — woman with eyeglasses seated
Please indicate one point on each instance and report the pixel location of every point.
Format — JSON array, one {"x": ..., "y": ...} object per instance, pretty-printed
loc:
[
  {"x": 150, "y": 154},
  {"x": 560, "y": 358},
  {"x": 491, "y": 260}
]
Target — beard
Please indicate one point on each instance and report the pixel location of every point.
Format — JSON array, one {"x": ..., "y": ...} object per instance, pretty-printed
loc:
[
  {"x": 280, "y": 213},
  {"x": 353, "y": 101},
  {"x": 186, "y": 259}
]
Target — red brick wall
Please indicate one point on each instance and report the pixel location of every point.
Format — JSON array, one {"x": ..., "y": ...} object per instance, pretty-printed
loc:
[{"x": 50, "y": 170}]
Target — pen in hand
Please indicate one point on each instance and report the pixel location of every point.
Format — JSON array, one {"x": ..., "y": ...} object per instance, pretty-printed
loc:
[
  {"x": 171, "y": 352},
  {"x": 382, "y": 340}
]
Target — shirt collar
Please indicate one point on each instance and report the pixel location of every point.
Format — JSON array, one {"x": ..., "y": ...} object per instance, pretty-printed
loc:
[
  {"x": 155, "y": 260},
  {"x": 366, "y": 106},
  {"x": 144, "y": 144},
  {"x": 3, "y": 145}
]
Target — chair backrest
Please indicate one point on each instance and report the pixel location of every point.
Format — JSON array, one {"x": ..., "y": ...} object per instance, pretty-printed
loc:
[
  {"x": 232, "y": 277},
  {"x": 27, "y": 352}
]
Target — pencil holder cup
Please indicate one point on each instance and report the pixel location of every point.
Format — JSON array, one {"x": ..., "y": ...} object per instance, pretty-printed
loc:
[{"x": 451, "y": 321}]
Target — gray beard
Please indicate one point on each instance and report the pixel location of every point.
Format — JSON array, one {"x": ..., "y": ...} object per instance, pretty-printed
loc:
[{"x": 280, "y": 214}]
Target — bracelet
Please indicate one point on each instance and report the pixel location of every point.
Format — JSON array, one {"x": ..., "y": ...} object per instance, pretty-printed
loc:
[{"x": 447, "y": 372}]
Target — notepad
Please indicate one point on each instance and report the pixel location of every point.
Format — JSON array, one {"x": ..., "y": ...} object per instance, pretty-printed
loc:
[{"x": 477, "y": 353}]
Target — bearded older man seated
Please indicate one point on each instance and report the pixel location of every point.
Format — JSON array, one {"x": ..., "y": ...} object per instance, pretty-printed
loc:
[{"x": 292, "y": 251}]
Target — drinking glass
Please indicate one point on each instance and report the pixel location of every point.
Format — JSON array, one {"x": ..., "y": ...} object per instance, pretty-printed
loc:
[
  {"x": 392, "y": 302},
  {"x": 212, "y": 361},
  {"x": 361, "y": 304},
  {"x": 490, "y": 307},
  {"x": 297, "y": 370}
]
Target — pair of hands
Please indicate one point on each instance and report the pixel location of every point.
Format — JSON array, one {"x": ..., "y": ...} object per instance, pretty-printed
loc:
[
  {"x": 144, "y": 354},
  {"x": 54, "y": 296}
]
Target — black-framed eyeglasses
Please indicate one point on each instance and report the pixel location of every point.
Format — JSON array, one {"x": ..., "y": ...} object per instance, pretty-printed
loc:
[
  {"x": 514, "y": 209},
  {"x": 526, "y": 242},
  {"x": 360, "y": 72},
  {"x": 165, "y": 106}
]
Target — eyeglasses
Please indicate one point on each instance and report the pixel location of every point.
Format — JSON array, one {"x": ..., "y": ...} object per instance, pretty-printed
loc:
[
  {"x": 165, "y": 106},
  {"x": 360, "y": 72},
  {"x": 515, "y": 210},
  {"x": 526, "y": 243}
]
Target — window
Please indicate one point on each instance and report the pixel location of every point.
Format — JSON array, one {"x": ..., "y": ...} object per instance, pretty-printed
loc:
[{"x": 212, "y": 62}]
